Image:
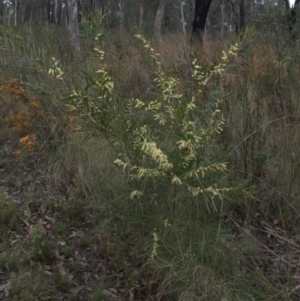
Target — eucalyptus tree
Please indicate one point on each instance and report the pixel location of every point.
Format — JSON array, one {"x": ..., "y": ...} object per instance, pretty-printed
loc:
[
  {"x": 96, "y": 5},
  {"x": 72, "y": 24},
  {"x": 2, "y": 6},
  {"x": 57, "y": 11},
  {"x": 15, "y": 12},
  {"x": 159, "y": 17},
  {"x": 242, "y": 24},
  {"x": 182, "y": 17},
  {"x": 230, "y": 14},
  {"x": 201, "y": 12},
  {"x": 291, "y": 14},
  {"x": 140, "y": 14}
]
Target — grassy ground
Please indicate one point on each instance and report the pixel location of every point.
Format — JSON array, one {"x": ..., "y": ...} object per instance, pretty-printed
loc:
[{"x": 68, "y": 227}]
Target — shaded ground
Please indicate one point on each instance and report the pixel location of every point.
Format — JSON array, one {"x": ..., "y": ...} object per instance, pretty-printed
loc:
[
  {"x": 53, "y": 247},
  {"x": 69, "y": 251}
]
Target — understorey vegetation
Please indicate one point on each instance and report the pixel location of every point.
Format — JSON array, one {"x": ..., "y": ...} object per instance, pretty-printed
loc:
[{"x": 148, "y": 171}]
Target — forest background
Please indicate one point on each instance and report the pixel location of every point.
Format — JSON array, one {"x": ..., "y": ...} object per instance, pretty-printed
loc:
[{"x": 139, "y": 162}]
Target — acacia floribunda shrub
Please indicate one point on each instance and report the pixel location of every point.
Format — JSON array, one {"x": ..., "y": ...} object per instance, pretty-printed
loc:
[{"x": 164, "y": 145}]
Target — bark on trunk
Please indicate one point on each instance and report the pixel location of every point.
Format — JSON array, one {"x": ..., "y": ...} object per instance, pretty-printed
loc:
[
  {"x": 55, "y": 6},
  {"x": 15, "y": 3},
  {"x": 56, "y": 11},
  {"x": 222, "y": 18},
  {"x": 201, "y": 12},
  {"x": 22, "y": 10},
  {"x": 96, "y": 5},
  {"x": 141, "y": 15},
  {"x": 291, "y": 17},
  {"x": 79, "y": 10},
  {"x": 121, "y": 14},
  {"x": 1, "y": 11},
  {"x": 242, "y": 17},
  {"x": 50, "y": 11},
  {"x": 72, "y": 24},
  {"x": 182, "y": 19},
  {"x": 59, "y": 12},
  {"x": 159, "y": 18}
]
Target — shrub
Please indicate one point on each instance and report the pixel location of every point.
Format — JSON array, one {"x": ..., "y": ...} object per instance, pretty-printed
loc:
[
  {"x": 30, "y": 119},
  {"x": 166, "y": 145},
  {"x": 174, "y": 174}
]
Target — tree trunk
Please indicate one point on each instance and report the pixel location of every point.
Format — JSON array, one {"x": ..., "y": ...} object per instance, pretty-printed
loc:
[
  {"x": 22, "y": 9},
  {"x": 50, "y": 11},
  {"x": 55, "y": 7},
  {"x": 121, "y": 14},
  {"x": 167, "y": 18},
  {"x": 222, "y": 18},
  {"x": 1, "y": 11},
  {"x": 159, "y": 18},
  {"x": 30, "y": 19},
  {"x": 15, "y": 5},
  {"x": 291, "y": 16},
  {"x": 72, "y": 24},
  {"x": 182, "y": 19},
  {"x": 56, "y": 11},
  {"x": 201, "y": 12},
  {"x": 59, "y": 12},
  {"x": 79, "y": 10},
  {"x": 242, "y": 17},
  {"x": 141, "y": 15},
  {"x": 96, "y": 5}
]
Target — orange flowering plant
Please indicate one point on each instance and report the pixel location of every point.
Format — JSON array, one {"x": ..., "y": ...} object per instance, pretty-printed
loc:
[{"x": 28, "y": 117}]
